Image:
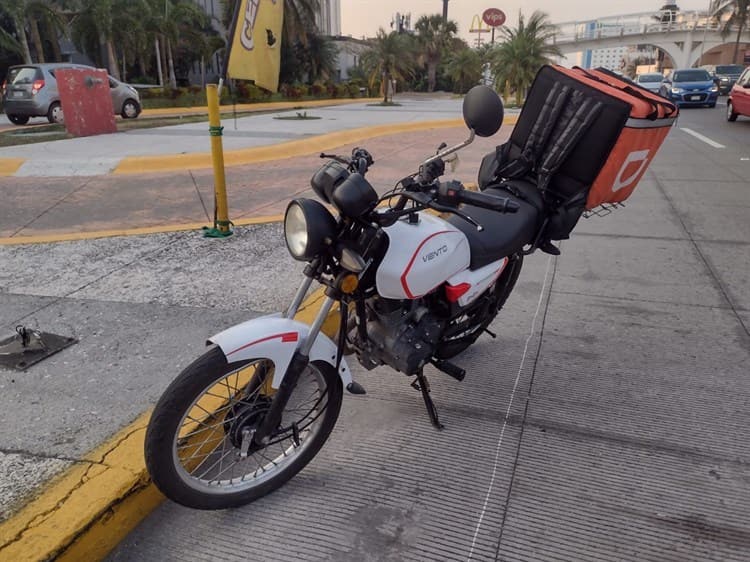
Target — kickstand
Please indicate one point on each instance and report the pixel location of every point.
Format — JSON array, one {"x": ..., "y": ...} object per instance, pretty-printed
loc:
[{"x": 421, "y": 384}]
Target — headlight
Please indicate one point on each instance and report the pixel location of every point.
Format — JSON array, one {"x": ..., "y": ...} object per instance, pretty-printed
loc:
[
  {"x": 677, "y": 90},
  {"x": 714, "y": 88},
  {"x": 308, "y": 229}
]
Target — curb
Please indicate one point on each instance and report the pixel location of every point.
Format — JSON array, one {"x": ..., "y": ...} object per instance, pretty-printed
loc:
[
  {"x": 255, "y": 155},
  {"x": 85, "y": 512},
  {"x": 76, "y": 236}
]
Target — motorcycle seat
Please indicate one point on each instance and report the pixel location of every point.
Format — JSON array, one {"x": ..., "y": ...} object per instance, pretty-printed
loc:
[{"x": 504, "y": 234}]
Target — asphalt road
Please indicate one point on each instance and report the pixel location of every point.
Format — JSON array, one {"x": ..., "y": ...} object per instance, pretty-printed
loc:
[{"x": 607, "y": 421}]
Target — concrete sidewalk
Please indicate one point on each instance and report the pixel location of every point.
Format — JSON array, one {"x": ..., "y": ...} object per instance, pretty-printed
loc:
[
  {"x": 606, "y": 422},
  {"x": 125, "y": 152}
]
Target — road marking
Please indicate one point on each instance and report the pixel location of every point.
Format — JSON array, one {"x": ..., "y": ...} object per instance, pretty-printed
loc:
[
  {"x": 700, "y": 137},
  {"x": 507, "y": 412}
]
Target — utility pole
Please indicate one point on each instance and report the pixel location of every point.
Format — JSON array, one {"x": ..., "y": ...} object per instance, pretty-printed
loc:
[{"x": 445, "y": 11}]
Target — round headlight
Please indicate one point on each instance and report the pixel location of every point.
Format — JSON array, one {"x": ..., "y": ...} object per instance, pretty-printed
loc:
[{"x": 308, "y": 228}]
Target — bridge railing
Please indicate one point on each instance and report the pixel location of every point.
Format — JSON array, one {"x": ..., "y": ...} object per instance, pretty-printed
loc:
[{"x": 643, "y": 23}]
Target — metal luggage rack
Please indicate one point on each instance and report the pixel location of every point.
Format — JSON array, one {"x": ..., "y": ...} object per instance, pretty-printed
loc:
[{"x": 602, "y": 210}]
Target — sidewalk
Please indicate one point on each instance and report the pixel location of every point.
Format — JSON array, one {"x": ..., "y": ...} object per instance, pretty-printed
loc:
[
  {"x": 183, "y": 146},
  {"x": 606, "y": 422}
]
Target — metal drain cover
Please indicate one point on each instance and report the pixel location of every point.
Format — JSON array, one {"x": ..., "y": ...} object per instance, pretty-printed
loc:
[{"x": 29, "y": 347}]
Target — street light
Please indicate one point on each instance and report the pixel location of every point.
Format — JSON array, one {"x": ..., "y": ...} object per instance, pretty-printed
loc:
[{"x": 445, "y": 11}]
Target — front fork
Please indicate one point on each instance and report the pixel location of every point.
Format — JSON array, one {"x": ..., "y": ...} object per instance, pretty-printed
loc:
[{"x": 299, "y": 362}]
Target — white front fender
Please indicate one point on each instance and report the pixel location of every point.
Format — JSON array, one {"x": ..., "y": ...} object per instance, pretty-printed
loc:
[{"x": 276, "y": 338}]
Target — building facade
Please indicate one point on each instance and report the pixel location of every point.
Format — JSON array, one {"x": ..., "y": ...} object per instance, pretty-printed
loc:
[{"x": 329, "y": 18}]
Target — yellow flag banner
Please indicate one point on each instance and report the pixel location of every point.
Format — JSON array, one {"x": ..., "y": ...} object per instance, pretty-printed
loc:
[{"x": 255, "y": 52}]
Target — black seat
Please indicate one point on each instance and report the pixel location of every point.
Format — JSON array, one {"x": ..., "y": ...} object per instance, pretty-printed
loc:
[{"x": 504, "y": 234}]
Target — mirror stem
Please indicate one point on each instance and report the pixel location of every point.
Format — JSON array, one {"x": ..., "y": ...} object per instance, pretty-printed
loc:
[{"x": 450, "y": 150}]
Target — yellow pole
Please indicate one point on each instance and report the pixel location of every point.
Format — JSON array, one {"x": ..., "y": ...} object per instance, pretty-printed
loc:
[{"x": 222, "y": 223}]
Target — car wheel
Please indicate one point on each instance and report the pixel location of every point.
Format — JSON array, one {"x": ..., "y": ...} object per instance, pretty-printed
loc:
[
  {"x": 18, "y": 119},
  {"x": 55, "y": 114},
  {"x": 731, "y": 115},
  {"x": 130, "y": 109}
]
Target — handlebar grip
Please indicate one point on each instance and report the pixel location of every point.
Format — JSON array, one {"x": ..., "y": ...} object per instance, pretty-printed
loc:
[{"x": 492, "y": 202}]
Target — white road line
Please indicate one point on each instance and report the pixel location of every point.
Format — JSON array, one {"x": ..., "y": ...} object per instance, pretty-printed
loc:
[
  {"x": 700, "y": 137},
  {"x": 507, "y": 411}
]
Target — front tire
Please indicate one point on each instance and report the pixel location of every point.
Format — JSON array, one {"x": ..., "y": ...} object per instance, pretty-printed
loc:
[
  {"x": 130, "y": 109},
  {"x": 731, "y": 115},
  {"x": 195, "y": 438}
]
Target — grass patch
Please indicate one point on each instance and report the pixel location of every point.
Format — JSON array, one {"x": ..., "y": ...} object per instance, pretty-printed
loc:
[
  {"x": 31, "y": 134},
  {"x": 298, "y": 117}
]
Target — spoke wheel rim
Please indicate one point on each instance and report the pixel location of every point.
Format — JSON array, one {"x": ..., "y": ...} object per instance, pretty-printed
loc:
[
  {"x": 203, "y": 454},
  {"x": 130, "y": 109}
]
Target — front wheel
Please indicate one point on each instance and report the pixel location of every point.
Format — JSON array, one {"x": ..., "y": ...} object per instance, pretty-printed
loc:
[
  {"x": 130, "y": 109},
  {"x": 199, "y": 450}
]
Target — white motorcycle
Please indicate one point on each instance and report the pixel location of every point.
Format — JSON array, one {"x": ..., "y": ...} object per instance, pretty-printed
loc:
[{"x": 411, "y": 288}]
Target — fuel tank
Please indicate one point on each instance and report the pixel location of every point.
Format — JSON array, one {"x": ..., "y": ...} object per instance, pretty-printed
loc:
[{"x": 420, "y": 257}]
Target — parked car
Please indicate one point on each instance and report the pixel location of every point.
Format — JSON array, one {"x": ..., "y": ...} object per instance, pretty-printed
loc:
[
  {"x": 739, "y": 97},
  {"x": 690, "y": 86},
  {"x": 725, "y": 75},
  {"x": 30, "y": 90},
  {"x": 651, "y": 81}
]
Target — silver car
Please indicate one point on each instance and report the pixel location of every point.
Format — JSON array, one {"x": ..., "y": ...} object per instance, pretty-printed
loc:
[
  {"x": 651, "y": 81},
  {"x": 30, "y": 90}
]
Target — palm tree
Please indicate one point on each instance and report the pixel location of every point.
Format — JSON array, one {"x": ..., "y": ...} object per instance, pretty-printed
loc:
[
  {"x": 465, "y": 69},
  {"x": 389, "y": 58},
  {"x": 318, "y": 57},
  {"x": 738, "y": 15},
  {"x": 433, "y": 36},
  {"x": 524, "y": 51}
]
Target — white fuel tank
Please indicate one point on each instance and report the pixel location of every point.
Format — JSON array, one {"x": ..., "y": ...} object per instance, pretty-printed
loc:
[{"x": 421, "y": 257}]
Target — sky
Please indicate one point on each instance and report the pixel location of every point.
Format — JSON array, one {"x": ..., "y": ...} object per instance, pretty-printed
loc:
[{"x": 364, "y": 17}]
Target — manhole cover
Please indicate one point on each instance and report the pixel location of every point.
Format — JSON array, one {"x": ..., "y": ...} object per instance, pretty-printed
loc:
[{"x": 28, "y": 347}]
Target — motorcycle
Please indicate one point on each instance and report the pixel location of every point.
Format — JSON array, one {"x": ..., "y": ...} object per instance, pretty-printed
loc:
[{"x": 412, "y": 288}]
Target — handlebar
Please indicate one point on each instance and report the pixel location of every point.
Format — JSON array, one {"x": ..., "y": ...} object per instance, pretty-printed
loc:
[
  {"x": 492, "y": 202},
  {"x": 453, "y": 193}
]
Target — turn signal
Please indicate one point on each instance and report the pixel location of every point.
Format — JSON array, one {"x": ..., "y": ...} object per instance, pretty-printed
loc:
[{"x": 348, "y": 284}]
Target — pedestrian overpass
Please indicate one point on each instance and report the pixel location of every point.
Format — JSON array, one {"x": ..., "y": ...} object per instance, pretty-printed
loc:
[{"x": 684, "y": 36}]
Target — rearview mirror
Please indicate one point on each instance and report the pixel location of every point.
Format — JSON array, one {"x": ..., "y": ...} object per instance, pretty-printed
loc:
[{"x": 483, "y": 111}]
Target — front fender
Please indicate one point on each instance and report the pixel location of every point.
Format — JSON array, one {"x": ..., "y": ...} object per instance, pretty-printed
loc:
[{"x": 276, "y": 338}]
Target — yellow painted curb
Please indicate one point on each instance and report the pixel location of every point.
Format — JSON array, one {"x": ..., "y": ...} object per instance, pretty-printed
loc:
[
  {"x": 9, "y": 166},
  {"x": 75, "y": 236},
  {"x": 84, "y": 513},
  {"x": 202, "y": 160},
  {"x": 321, "y": 143}
]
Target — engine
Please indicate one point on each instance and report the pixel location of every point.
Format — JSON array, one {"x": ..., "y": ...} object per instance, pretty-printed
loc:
[{"x": 400, "y": 333}]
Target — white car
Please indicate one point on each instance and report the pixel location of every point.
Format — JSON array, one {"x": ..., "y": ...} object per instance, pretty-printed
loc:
[{"x": 651, "y": 81}]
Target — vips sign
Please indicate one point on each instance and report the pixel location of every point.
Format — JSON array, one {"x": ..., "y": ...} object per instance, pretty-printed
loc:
[
  {"x": 255, "y": 48},
  {"x": 493, "y": 17}
]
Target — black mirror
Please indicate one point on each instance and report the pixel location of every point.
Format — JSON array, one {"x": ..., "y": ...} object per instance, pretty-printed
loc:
[{"x": 483, "y": 111}]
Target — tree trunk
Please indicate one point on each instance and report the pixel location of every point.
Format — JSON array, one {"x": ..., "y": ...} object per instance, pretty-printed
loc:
[
  {"x": 431, "y": 75},
  {"x": 37, "y": 39},
  {"x": 114, "y": 68},
  {"x": 386, "y": 81},
  {"x": 142, "y": 66},
  {"x": 54, "y": 40},
  {"x": 23, "y": 39},
  {"x": 124, "y": 74},
  {"x": 203, "y": 71},
  {"x": 158, "y": 63},
  {"x": 172, "y": 77}
]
